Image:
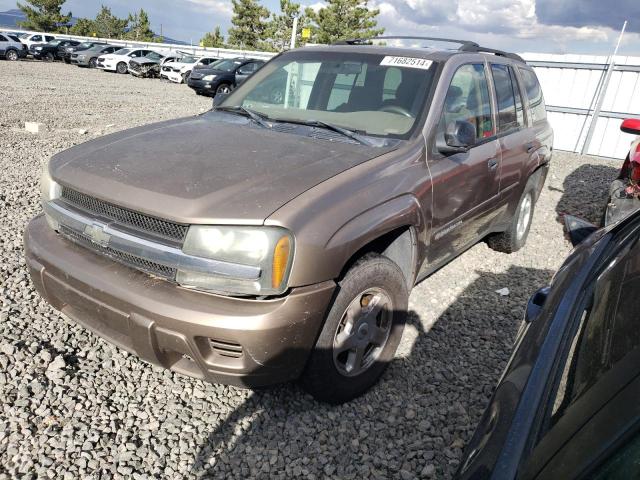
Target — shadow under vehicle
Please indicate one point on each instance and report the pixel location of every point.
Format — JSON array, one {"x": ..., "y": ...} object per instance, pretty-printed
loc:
[
  {"x": 567, "y": 403},
  {"x": 277, "y": 236}
]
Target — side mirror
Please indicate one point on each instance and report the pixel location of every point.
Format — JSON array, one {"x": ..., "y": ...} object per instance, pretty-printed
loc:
[
  {"x": 535, "y": 304},
  {"x": 219, "y": 98},
  {"x": 578, "y": 229},
  {"x": 459, "y": 137},
  {"x": 631, "y": 125}
]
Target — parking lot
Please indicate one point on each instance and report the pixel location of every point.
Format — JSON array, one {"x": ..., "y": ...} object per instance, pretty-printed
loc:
[{"x": 74, "y": 406}]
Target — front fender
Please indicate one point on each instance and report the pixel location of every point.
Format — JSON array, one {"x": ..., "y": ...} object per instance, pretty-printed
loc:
[{"x": 403, "y": 211}]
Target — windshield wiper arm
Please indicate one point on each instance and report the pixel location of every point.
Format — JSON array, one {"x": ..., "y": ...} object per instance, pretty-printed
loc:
[
  {"x": 259, "y": 119},
  {"x": 330, "y": 126}
]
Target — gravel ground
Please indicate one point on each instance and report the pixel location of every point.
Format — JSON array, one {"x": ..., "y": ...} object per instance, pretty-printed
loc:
[{"x": 73, "y": 406}]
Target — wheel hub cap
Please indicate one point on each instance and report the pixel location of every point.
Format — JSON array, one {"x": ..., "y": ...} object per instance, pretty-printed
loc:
[{"x": 363, "y": 332}]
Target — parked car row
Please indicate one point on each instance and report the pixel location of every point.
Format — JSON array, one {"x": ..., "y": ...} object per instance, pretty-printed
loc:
[{"x": 206, "y": 75}]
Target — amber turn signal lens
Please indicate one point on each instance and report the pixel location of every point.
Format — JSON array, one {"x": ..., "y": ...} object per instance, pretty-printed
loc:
[{"x": 280, "y": 261}]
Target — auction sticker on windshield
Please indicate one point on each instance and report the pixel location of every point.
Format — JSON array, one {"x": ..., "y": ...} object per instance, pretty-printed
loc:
[{"x": 410, "y": 62}]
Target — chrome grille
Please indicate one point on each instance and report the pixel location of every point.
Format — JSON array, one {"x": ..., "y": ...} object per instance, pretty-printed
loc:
[
  {"x": 124, "y": 216},
  {"x": 122, "y": 257}
]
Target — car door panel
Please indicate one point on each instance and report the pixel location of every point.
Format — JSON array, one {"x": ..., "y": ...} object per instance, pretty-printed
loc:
[{"x": 465, "y": 185}]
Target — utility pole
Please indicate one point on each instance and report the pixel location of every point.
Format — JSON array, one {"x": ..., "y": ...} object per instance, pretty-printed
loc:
[
  {"x": 294, "y": 31},
  {"x": 603, "y": 93}
]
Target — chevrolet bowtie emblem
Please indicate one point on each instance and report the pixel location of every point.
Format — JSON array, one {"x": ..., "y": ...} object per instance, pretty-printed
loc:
[{"x": 97, "y": 235}]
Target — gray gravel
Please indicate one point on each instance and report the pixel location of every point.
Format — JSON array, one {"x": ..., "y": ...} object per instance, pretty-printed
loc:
[{"x": 73, "y": 406}]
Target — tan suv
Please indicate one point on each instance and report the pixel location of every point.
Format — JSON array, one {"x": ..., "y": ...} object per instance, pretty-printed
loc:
[{"x": 278, "y": 235}]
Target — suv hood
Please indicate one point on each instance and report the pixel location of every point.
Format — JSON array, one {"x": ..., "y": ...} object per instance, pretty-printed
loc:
[{"x": 214, "y": 168}]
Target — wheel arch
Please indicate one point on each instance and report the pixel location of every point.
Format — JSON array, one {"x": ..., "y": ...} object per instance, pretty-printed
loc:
[{"x": 391, "y": 229}]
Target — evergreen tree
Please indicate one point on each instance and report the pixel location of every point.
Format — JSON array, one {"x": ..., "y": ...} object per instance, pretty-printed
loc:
[
  {"x": 83, "y": 27},
  {"x": 249, "y": 25},
  {"x": 213, "y": 39},
  {"x": 43, "y": 15},
  {"x": 280, "y": 26},
  {"x": 140, "y": 27},
  {"x": 344, "y": 19},
  {"x": 108, "y": 25}
]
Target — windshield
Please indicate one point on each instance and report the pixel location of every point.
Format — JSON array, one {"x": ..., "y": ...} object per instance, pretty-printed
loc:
[
  {"x": 368, "y": 93},
  {"x": 225, "y": 65},
  {"x": 55, "y": 42},
  {"x": 84, "y": 45},
  {"x": 154, "y": 56},
  {"x": 122, "y": 51},
  {"x": 188, "y": 59}
]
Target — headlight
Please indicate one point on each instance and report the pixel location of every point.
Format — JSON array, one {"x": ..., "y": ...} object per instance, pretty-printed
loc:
[
  {"x": 208, "y": 78},
  {"x": 269, "y": 249},
  {"x": 38, "y": 48},
  {"x": 49, "y": 190},
  {"x": 81, "y": 57}
]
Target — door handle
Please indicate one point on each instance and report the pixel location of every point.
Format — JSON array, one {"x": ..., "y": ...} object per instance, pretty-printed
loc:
[
  {"x": 530, "y": 147},
  {"x": 492, "y": 163}
]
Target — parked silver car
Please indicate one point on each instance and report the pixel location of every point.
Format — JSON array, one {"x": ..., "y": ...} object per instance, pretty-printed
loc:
[
  {"x": 89, "y": 57},
  {"x": 10, "y": 47}
]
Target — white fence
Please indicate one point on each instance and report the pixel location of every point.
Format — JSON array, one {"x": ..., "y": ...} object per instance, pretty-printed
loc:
[{"x": 572, "y": 84}]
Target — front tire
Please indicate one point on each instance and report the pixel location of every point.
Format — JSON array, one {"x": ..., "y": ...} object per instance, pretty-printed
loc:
[
  {"x": 49, "y": 57},
  {"x": 121, "y": 68},
  {"x": 93, "y": 63},
  {"x": 11, "y": 55},
  {"x": 361, "y": 332},
  {"x": 223, "y": 88},
  {"x": 515, "y": 237}
]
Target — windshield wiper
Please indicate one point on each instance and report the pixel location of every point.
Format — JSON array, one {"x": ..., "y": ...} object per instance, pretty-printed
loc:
[
  {"x": 239, "y": 109},
  {"x": 330, "y": 126}
]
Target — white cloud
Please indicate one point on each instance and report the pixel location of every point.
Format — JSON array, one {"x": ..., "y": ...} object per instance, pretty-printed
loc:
[{"x": 223, "y": 7}]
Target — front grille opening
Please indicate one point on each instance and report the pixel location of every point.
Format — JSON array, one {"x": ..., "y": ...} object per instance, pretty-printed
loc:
[
  {"x": 122, "y": 257},
  {"x": 153, "y": 225},
  {"x": 226, "y": 348}
]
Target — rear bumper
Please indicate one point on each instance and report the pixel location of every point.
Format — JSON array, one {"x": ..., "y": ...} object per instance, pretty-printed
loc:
[{"x": 220, "y": 339}]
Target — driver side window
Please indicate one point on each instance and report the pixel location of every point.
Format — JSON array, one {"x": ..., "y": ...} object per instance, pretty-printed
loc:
[{"x": 468, "y": 100}]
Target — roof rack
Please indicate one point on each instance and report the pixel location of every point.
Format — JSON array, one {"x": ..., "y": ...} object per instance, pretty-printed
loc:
[
  {"x": 478, "y": 49},
  {"x": 465, "y": 45},
  {"x": 368, "y": 41}
]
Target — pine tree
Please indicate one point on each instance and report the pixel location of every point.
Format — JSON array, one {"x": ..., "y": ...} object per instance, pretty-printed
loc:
[
  {"x": 249, "y": 25},
  {"x": 44, "y": 15},
  {"x": 84, "y": 27},
  {"x": 344, "y": 19},
  {"x": 213, "y": 39},
  {"x": 108, "y": 25},
  {"x": 140, "y": 27},
  {"x": 280, "y": 26}
]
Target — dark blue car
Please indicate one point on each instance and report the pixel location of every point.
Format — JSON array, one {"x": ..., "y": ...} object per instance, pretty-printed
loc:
[
  {"x": 568, "y": 404},
  {"x": 222, "y": 76}
]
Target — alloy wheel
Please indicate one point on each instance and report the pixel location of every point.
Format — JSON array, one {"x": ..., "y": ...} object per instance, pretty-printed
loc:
[{"x": 524, "y": 216}]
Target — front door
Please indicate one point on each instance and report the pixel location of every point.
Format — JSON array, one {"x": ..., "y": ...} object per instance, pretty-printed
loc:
[{"x": 465, "y": 185}]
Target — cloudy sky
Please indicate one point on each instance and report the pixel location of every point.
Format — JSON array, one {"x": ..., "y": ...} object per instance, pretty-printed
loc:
[{"x": 554, "y": 26}]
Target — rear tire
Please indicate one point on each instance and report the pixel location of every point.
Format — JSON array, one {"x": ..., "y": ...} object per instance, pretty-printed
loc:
[
  {"x": 515, "y": 237},
  {"x": 361, "y": 332},
  {"x": 122, "y": 68},
  {"x": 11, "y": 55}
]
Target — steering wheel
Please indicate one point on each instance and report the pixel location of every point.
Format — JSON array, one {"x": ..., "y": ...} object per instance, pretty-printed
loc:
[{"x": 396, "y": 109}]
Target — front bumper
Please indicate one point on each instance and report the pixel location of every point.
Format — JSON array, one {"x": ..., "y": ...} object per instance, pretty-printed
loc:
[
  {"x": 221, "y": 339},
  {"x": 202, "y": 86}
]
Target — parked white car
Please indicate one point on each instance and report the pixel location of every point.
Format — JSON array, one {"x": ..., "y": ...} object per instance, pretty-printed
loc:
[
  {"x": 118, "y": 61},
  {"x": 31, "y": 39},
  {"x": 179, "y": 71}
]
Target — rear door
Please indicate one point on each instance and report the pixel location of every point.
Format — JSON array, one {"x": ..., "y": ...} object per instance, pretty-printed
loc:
[
  {"x": 4, "y": 42},
  {"x": 466, "y": 185},
  {"x": 514, "y": 134}
]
